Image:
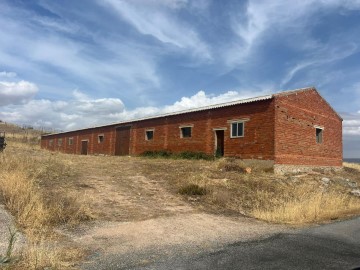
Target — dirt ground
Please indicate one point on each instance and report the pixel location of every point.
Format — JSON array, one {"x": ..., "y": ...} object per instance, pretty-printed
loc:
[{"x": 139, "y": 215}]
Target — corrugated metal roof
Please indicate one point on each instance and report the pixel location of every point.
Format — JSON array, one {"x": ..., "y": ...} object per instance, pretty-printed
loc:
[{"x": 215, "y": 106}]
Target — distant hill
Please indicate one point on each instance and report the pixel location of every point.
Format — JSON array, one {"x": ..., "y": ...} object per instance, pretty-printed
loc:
[{"x": 25, "y": 133}]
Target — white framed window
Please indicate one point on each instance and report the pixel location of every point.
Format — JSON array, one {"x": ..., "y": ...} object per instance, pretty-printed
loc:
[
  {"x": 101, "y": 138},
  {"x": 186, "y": 131},
  {"x": 60, "y": 142},
  {"x": 237, "y": 129},
  {"x": 71, "y": 141},
  {"x": 319, "y": 134},
  {"x": 149, "y": 134}
]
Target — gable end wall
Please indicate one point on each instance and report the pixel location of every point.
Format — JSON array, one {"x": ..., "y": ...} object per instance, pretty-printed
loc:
[{"x": 296, "y": 116}]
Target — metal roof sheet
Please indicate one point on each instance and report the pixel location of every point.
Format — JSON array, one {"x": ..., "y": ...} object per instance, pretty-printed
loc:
[{"x": 209, "y": 107}]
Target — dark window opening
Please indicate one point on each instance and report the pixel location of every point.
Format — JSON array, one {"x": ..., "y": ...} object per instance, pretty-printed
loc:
[
  {"x": 149, "y": 135},
  {"x": 71, "y": 141},
  {"x": 319, "y": 135},
  {"x": 59, "y": 142},
  {"x": 237, "y": 129},
  {"x": 185, "y": 132},
  {"x": 101, "y": 138}
]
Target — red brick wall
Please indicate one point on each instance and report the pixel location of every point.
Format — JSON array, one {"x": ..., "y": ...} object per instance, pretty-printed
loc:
[
  {"x": 258, "y": 142},
  {"x": 295, "y": 140},
  {"x": 90, "y": 134},
  {"x": 280, "y": 129}
]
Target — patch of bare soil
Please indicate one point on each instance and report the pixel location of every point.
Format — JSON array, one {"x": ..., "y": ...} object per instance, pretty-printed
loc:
[
  {"x": 138, "y": 209},
  {"x": 129, "y": 244},
  {"x": 116, "y": 189},
  {"x": 139, "y": 214}
]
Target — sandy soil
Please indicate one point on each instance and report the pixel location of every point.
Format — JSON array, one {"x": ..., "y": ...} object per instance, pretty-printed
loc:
[
  {"x": 141, "y": 219},
  {"x": 130, "y": 244}
]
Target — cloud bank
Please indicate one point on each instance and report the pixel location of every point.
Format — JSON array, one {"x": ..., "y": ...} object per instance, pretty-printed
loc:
[
  {"x": 16, "y": 92},
  {"x": 83, "y": 111}
]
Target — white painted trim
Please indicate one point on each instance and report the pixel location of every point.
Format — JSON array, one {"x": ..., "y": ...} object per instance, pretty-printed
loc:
[
  {"x": 238, "y": 120},
  {"x": 319, "y": 127},
  {"x": 153, "y": 131},
  {"x": 224, "y": 128},
  {"x": 98, "y": 137},
  {"x": 187, "y": 126},
  {"x": 243, "y": 129},
  {"x": 72, "y": 140}
]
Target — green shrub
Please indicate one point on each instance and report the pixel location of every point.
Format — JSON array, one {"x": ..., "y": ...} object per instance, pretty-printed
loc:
[
  {"x": 194, "y": 155},
  {"x": 192, "y": 189},
  {"x": 181, "y": 155},
  {"x": 157, "y": 154}
]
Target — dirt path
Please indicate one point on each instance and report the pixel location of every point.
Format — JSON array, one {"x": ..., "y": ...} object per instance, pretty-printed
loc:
[
  {"x": 116, "y": 245},
  {"x": 141, "y": 219}
]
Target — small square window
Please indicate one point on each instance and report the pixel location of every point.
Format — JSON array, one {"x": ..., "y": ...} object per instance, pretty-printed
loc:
[
  {"x": 149, "y": 135},
  {"x": 185, "y": 132},
  {"x": 59, "y": 142},
  {"x": 101, "y": 138},
  {"x": 319, "y": 135},
  {"x": 71, "y": 141},
  {"x": 237, "y": 129}
]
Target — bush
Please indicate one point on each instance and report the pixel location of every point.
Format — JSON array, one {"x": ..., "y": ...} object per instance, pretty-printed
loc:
[
  {"x": 181, "y": 155},
  {"x": 194, "y": 155},
  {"x": 157, "y": 154},
  {"x": 192, "y": 189}
]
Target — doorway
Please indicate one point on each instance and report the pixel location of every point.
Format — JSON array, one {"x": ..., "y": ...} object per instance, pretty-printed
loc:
[
  {"x": 219, "y": 143},
  {"x": 122, "y": 143},
  {"x": 84, "y": 147}
]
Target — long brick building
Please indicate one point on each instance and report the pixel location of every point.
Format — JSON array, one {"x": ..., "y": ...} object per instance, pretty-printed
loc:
[{"x": 295, "y": 127}]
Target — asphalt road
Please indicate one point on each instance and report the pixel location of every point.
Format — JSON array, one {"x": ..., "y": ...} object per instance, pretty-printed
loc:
[{"x": 332, "y": 246}]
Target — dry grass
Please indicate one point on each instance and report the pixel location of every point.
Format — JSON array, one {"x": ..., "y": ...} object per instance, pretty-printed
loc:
[
  {"x": 34, "y": 184},
  {"x": 49, "y": 256},
  {"x": 306, "y": 207},
  {"x": 37, "y": 211},
  {"x": 352, "y": 165},
  {"x": 295, "y": 199}
]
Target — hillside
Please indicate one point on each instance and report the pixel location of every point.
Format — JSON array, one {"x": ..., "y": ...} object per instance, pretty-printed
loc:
[
  {"x": 26, "y": 133},
  {"x": 70, "y": 206}
]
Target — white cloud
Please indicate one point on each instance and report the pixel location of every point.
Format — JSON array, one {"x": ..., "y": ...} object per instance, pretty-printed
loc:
[
  {"x": 16, "y": 92},
  {"x": 262, "y": 19},
  {"x": 83, "y": 111},
  {"x": 34, "y": 47},
  {"x": 7, "y": 74},
  {"x": 351, "y": 124},
  {"x": 160, "y": 23}
]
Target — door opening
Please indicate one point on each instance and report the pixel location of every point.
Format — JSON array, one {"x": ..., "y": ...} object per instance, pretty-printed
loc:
[
  {"x": 84, "y": 147},
  {"x": 122, "y": 143},
  {"x": 219, "y": 146}
]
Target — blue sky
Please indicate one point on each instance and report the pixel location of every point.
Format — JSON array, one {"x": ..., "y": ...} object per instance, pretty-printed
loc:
[{"x": 71, "y": 64}]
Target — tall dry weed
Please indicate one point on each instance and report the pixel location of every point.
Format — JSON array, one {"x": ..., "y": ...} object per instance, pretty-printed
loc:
[
  {"x": 38, "y": 210},
  {"x": 309, "y": 208}
]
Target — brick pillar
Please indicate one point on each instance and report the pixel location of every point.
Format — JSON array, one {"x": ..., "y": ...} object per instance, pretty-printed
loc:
[
  {"x": 209, "y": 148},
  {"x": 166, "y": 134}
]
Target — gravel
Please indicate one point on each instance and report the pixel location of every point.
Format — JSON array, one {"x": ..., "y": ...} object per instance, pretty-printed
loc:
[{"x": 6, "y": 223}]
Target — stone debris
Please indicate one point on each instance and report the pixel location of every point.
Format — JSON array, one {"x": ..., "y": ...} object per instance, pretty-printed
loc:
[
  {"x": 247, "y": 170},
  {"x": 351, "y": 184},
  {"x": 325, "y": 181},
  {"x": 355, "y": 192}
]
